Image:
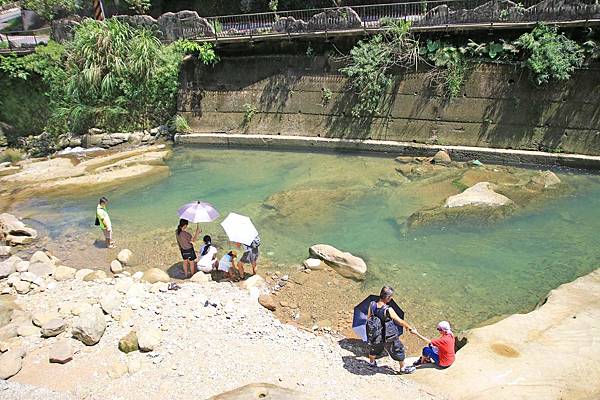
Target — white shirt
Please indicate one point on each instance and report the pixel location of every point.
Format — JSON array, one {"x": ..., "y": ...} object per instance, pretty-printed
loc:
[{"x": 206, "y": 260}]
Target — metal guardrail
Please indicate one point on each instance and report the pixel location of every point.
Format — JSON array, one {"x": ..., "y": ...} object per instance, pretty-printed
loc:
[
  {"x": 422, "y": 14},
  {"x": 23, "y": 41}
]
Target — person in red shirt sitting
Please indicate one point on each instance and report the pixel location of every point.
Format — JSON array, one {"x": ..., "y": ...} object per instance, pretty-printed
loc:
[{"x": 439, "y": 351}]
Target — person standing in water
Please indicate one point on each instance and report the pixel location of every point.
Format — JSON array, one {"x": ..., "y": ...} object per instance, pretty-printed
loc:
[
  {"x": 185, "y": 240},
  {"x": 103, "y": 220}
]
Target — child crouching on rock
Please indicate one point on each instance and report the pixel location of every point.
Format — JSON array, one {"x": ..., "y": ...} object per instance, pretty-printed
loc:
[{"x": 227, "y": 263}]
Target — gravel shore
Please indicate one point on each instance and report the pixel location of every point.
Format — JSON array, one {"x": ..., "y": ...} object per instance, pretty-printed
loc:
[{"x": 214, "y": 337}]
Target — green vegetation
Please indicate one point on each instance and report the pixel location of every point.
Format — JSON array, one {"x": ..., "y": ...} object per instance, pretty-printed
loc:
[
  {"x": 249, "y": 111},
  {"x": 50, "y": 9},
  {"x": 551, "y": 56},
  {"x": 179, "y": 124},
  {"x": 111, "y": 76},
  {"x": 371, "y": 65},
  {"x": 11, "y": 155},
  {"x": 371, "y": 61},
  {"x": 325, "y": 96}
]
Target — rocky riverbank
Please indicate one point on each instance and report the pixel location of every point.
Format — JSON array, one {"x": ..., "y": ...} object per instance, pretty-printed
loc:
[{"x": 69, "y": 336}]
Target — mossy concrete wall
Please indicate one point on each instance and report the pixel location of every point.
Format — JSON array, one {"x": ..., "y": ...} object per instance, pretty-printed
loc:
[{"x": 498, "y": 106}]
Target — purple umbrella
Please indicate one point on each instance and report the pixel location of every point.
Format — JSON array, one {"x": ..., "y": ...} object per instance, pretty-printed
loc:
[{"x": 198, "y": 211}]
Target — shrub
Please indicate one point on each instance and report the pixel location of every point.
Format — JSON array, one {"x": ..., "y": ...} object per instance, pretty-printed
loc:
[
  {"x": 249, "y": 111},
  {"x": 551, "y": 56},
  {"x": 12, "y": 155},
  {"x": 179, "y": 123}
]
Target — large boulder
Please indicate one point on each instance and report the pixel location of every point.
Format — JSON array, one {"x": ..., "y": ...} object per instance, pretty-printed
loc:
[
  {"x": 480, "y": 194},
  {"x": 10, "y": 364},
  {"x": 15, "y": 231},
  {"x": 154, "y": 275},
  {"x": 89, "y": 326},
  {"x": 344, "y": 263}
]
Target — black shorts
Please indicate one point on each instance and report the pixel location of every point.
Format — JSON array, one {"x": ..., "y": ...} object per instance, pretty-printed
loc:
[
  {"x": 189, "y": 254},
  {"x": 394, "y": 348},
  {"x": 250, "y": 256}
]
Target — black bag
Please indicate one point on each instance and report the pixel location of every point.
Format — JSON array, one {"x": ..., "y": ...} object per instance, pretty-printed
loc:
[
  {"x": 374, "y": 327},
  {"x": 97, "y": 222},
  {"x": 390, "y": 329}
]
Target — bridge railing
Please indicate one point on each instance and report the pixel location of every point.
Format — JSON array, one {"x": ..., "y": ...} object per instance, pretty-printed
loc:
[
  {"x": 426, "y": 13},
  {"x": 23, "y": 41}
]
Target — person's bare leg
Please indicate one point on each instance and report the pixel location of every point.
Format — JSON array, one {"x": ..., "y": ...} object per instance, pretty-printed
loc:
[
  {"x": 185, "y": 268},
  {"x": 240, "y": 267},
  {"x": 194, "y": 267},
  {"x": 254, "y": 268},
  {"x": 372, "y": 359}
]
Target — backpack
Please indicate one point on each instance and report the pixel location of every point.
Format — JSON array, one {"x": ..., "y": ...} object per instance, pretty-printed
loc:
[
  {"x": 374, "y": 327},
  {"x": 390, "y": 330}
]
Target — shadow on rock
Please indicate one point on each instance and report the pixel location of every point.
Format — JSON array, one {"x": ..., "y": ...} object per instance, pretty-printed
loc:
[
  {"x": 355, "y": 346},
  {"x": 357, "y": 366}
]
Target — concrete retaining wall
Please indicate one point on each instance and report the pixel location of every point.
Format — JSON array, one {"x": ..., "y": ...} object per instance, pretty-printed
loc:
[{"x": 499, "y": 107}]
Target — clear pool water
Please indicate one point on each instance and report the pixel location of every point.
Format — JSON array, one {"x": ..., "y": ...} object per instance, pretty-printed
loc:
[{"x": 467, "y": 274}]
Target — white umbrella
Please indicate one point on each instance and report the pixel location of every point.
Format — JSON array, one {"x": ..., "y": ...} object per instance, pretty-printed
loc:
[
  {"x": 198, "y": 211},
  {"x": 239, "y": 228}
]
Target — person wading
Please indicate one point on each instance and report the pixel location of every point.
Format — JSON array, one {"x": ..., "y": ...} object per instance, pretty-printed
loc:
[
  {"x": 103, "y": 220},
  {"x": 389, "y": 338},
  {"x": 186, "y": 245}
]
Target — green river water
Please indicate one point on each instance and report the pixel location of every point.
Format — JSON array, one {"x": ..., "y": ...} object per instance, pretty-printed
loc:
[{"x": 466, "y": 274}]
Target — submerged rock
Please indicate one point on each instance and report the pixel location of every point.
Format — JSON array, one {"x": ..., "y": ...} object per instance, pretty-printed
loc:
[
  {"x": 480, "y": 194},
  {"x": 545, "y": 179},
  {"x": 344, "y": 263}
]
